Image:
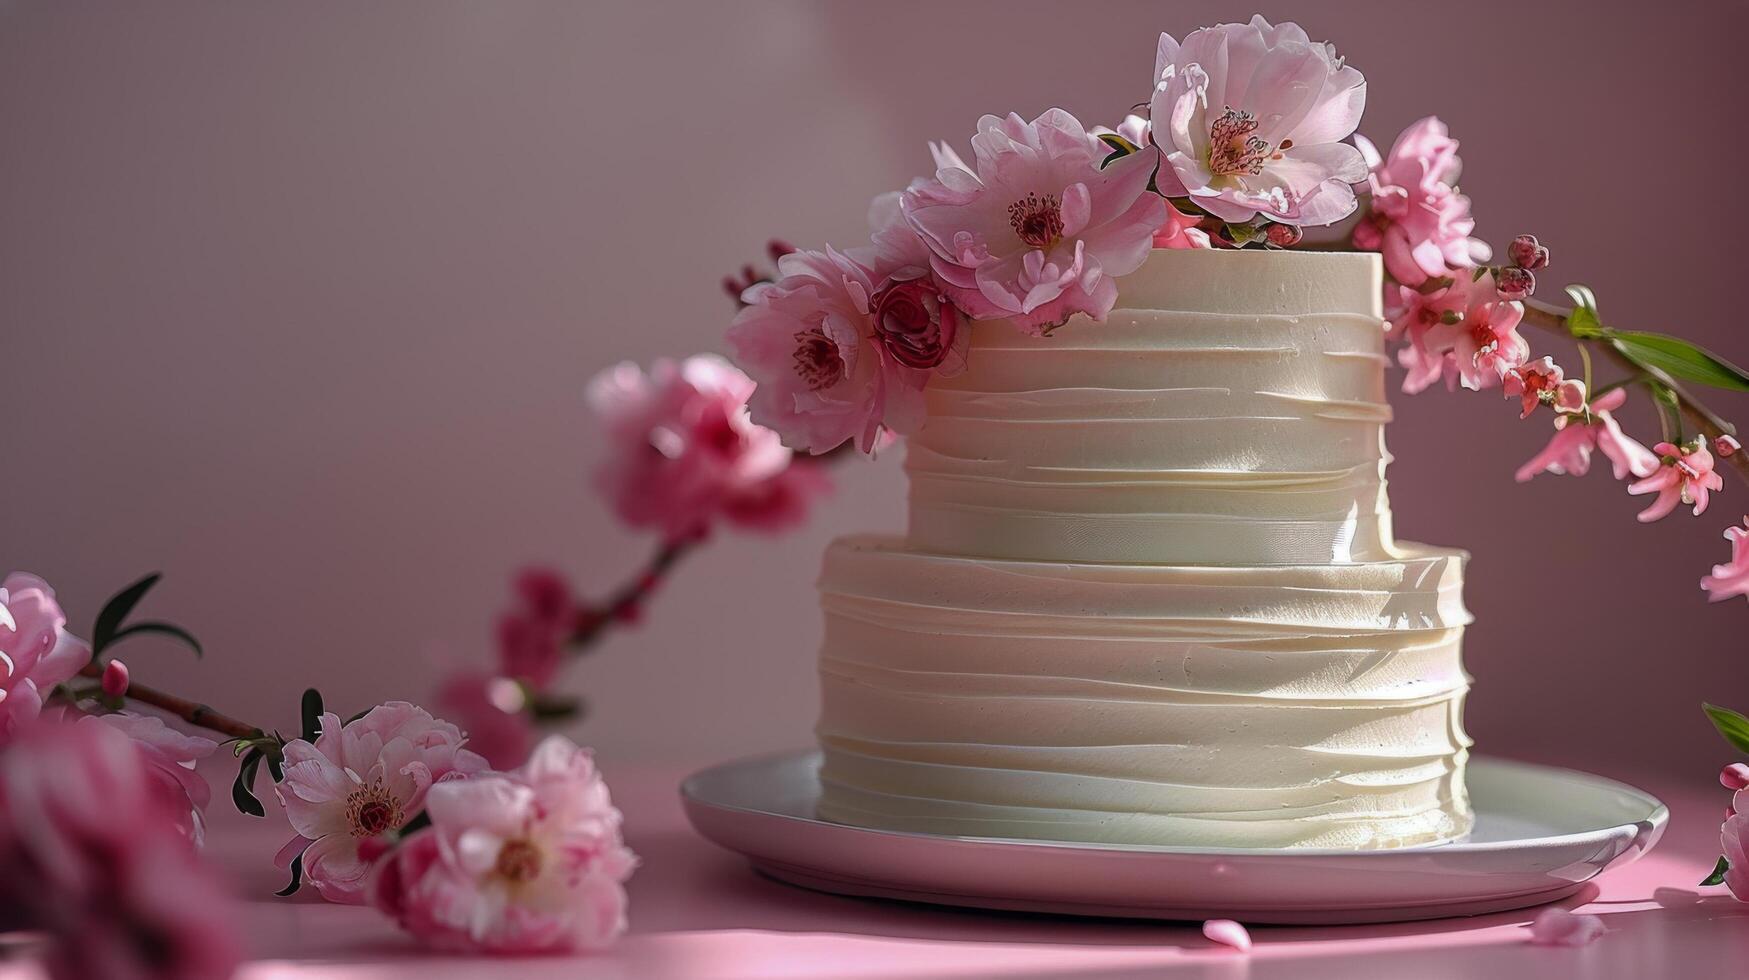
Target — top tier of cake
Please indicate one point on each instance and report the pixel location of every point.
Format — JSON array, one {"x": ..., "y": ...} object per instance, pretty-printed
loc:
[{"x": 1230, "y": 411}]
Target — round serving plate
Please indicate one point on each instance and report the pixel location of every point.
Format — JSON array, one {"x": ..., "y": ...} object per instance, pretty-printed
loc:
[{"x": 1541, "y": 833}]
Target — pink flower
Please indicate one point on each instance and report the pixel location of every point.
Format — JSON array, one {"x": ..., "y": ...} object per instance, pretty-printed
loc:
[
  {"x": 91, "y": 855},
  {"x": 1472, "y": 337},
  {"x": 1734, "y": 840},
  {"x": 168, "y": 759},
  {"x": 1559, "y": 927},
  {"x": 361, "y": 781},
  {"x": 1178, "y": 230},
  {"x": 36, "y": 651},
  {"x": 1731, "y": 578},
  {"x": 1570, "y": 449},
  {"x": 525, "y": 862},
  {"x": 683, "y": 448},
  {"x": 491, "y": 711},
  {"x": 1250, "y": 119},
  {"x": 1418, "y": 220},
  {"x": 532, "y": 633},
  {"x": 1540, "y": 382},
  {"x": 1035, "y": 231},
  {"x": 1686, "y": 476}
]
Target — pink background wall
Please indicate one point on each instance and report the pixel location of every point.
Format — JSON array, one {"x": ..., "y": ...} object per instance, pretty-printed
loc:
[{"x": 297, "y": 302}]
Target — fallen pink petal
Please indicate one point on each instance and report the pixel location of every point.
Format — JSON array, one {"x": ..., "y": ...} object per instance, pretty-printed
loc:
[{"x": 1227, "y": 933}]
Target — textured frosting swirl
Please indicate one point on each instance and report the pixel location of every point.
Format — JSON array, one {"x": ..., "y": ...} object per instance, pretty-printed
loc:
[
  {"x": 1231, "y": 410},
  {"x": 1269, "y": 706}
]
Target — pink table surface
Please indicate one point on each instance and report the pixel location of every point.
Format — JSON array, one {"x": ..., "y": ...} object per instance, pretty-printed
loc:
[{"x": 698, "y": 911}]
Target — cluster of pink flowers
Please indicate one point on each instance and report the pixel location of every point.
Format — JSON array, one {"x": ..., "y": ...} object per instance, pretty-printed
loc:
[
  {"x": 1246, "y": 125},
  {"x": 1734, "y": 832}
]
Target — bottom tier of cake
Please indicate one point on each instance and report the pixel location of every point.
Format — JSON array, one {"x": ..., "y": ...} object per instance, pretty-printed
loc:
[{"x": 1269, "y": 706}]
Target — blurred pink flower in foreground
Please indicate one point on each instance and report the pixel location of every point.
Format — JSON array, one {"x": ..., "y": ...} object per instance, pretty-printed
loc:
[
  {"x": 1419, "y": 222},
  {"x": 1731, "y": 578},
  {"x": 1559, "y": 927},
  {"x": 533, "y": 631},
  {"x": 490, "y": 710},
  {"x": 1569, "y": 451},
  {"x": 1686, "y": 476},
  {"x": 1734, "y": 841},
  {"x": 359, "y": 781},
  {"x": 1250, "y": 118},
  {"x": 36, "y": 651},
  {"x": 91, "y": 854},
  {"x": 168, "y": 757},
  {"x": 524, "y": 862},
  {"x": 1035, "y": 231}
]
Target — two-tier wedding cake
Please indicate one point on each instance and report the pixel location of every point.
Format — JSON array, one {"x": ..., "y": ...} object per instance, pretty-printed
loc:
[{"x": 1149, "y": 592}]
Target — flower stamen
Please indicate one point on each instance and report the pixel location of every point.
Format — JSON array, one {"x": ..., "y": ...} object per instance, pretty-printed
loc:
[
  {"x": 818, "y": 362},
  {"x": 372, "y": 810},
  {"x": 1038, "y": 221},
  {"x": 1233, "y": 146}
]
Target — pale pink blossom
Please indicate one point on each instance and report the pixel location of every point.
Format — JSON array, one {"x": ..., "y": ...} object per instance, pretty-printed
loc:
[
  {"x": 168, "y": 757},
  {"x": 1418, "y": 221},
  {"x": 1227, "y": 933},
  {"x": 525, "y": 862},
  {"x": 362, "y": 780},
  {"x": 809, "y": 342},
  {"x": 91, "y": 855},
  {"x": 1559, "y": 927},
  {"x": 1686, "y": 476},
  {"x": 1466, "y": 334},
  {"x": 1731, "y": 578},
  {"x": 1250, "y": 120},
  {"x": 1734, "y": 841},
  {"x": 36, "y": 651},
  {"x": 492, "y": 711},
  {"x": 683, "y": 449},
  {"x": 1540, "y": 382},
  {"x": 1035, "y": 230},
  {"x": 1569, "y": 451}
]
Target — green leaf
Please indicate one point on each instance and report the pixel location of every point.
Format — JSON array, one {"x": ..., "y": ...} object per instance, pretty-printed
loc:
[
  {"x": 163, "y": 629},
  {"x": 554, "y": 708},
  {"x": 1583, "y": 298},
  {"x": 1583, "y": 322},
  {"x": 109, "y": 619},
  {"x": 1718, "y": 875},
  {"x": 297, "y": 877},
  {"x": 242, "y": 788},
  {"x": 420, "y": 821},
  {"x": 1679, "y": 359},
  {"x": 311, "y": 714},
  {"x": 1120, "y": 148},
  {"x": 1733, "y": 726}
]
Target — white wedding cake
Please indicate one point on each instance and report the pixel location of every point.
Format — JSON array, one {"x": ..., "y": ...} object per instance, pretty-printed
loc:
[{"x": 1149, "y": 593}]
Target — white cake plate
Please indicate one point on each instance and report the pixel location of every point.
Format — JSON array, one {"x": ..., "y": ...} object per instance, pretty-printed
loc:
[{"x": 1541, "y": 833}]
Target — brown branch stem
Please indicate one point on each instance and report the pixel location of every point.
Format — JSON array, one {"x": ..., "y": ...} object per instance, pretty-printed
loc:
[{"x": 191, "y": 712}]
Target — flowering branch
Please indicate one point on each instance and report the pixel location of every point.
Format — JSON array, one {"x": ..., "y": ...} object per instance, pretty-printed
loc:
[{"x": 192, "y": 712}]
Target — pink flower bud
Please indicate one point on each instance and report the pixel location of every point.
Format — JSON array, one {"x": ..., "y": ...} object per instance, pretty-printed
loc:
[
  {"x": 1726, "y": 446},
  {"x": 1513, "y": 283},
  {"x": 1284, "y": 236},
  {"x": 1570, "y": 396},
  {"x": 115, "y": 678},
  {"x": 1527, "y": 253},
  {"x": 1734, "y": 776}
]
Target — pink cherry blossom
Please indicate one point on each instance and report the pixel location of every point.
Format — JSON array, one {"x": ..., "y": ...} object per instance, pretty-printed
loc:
[
  {"x": 1464, "y": 333},
  {"x": 91, "y": 855},
  {"x": 1686, "y": 476},
  {"x": 491, "y": 710},
  {"x": 1734, "y": 841},
  {"x": 525, "y": 862},
  {"x": 1559, "y": 927},
  {"x": 36, "y": 651},
  {"x": 363, "y": 780},
  {"x": 1731, "y": 578},
  {"x": 683, "y": 450},
  {"x": 1250, "y": 118},
  {"x": 1540, "y": 382},
  {"x": 532, "y": 633},
  {"x": 1035, "y": 230},
  {"x": 168, "y": 758},
  {"x": 809, "y": 341},
  {"x": 1418, "y": 220},
  {"x": 1569, "y": 451}
]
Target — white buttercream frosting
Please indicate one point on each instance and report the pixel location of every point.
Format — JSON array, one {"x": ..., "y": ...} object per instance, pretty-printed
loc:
[
  {"x": 1230, "y": 410},
  {"x": 1149, "y": 593},
  {"x": 1270, "y": 706}
]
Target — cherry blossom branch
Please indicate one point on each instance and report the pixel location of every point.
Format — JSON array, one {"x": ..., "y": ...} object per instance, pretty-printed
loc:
[
  {"x": 192, "y": 712},
  {"x": 625, "y": 604},
  {"x": 1551, "y": 318}
]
